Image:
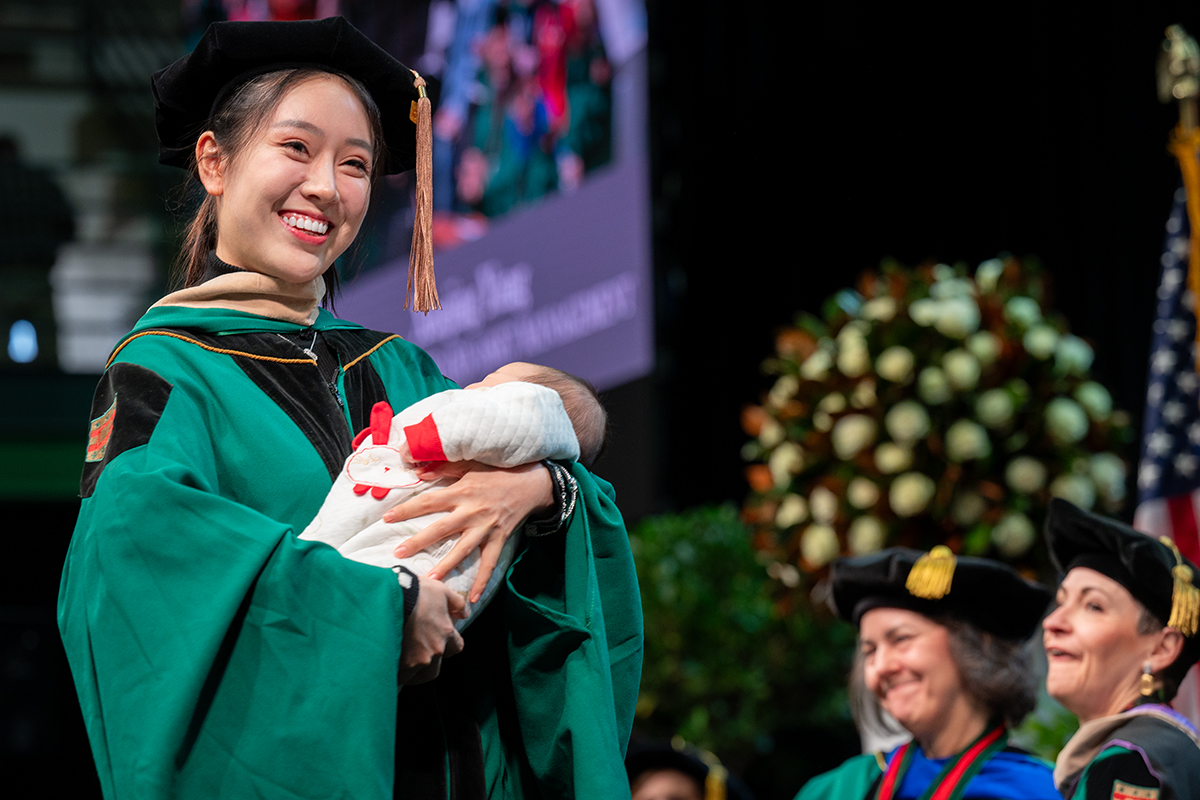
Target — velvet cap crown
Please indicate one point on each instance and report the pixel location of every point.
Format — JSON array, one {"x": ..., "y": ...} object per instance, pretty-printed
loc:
[
  {"x": 231, "y": 53},
  {"x": 987, "y": 594}
]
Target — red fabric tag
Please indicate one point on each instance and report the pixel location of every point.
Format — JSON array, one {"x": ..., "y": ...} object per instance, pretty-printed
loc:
[{"x": 381, "y": 423}]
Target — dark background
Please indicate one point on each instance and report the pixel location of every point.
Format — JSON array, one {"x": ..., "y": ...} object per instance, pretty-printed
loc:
[{"x": 788, "y": 154}]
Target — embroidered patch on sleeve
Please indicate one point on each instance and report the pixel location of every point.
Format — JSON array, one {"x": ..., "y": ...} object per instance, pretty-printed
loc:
[
  {"x": 100, "y": 432},
  {"x": 120, "y": 426},
  {"x": 1125, "y": 791}
]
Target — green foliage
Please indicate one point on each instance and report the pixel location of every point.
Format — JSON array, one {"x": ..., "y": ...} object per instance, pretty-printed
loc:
[
  {"x": 726, "y": 666},
  {"x": 1045, "y": 732}
]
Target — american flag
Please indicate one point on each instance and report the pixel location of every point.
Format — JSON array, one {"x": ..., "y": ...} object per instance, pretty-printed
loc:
[{"x": 1169, "y": 470}]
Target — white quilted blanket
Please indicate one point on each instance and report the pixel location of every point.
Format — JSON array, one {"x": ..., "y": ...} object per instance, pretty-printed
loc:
[{"x": 503, "y": 426}]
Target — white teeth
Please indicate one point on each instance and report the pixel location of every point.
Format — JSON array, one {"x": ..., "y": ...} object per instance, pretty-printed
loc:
[{"x": 306, "y": 224}]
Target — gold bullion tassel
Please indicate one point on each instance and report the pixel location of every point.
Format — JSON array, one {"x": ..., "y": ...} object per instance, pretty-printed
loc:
[
  {"x": 714, "y": 783},
  {"x": 1185, "y": 597},
  {"x": 422, "y": 287},
  {"x": 930, "y": 577}
]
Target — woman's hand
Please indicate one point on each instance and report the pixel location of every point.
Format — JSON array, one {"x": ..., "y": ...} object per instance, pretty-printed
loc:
[
  {"x": 429, "y": 633},
  {"x": 485, "y": 504}
]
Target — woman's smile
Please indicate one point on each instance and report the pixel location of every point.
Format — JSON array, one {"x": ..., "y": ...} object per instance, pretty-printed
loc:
[
  {"x": 307, "y": 229},
  {"x": 893, "y": 688}
]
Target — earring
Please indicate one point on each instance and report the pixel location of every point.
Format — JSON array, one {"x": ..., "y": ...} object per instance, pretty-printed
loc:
[{"x": 1147, "y": 688}]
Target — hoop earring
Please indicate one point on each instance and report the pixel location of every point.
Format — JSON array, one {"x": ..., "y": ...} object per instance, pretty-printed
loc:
[{"x": 1147, "y": 687}]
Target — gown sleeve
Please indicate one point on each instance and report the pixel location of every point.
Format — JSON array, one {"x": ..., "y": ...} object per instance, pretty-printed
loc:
[
  {"x": 214, "y": 653},
  {"x": 1117, "y": 771},
  {"x": 575, "y": 648}
]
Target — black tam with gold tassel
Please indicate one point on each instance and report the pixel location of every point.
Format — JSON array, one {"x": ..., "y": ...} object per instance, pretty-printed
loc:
[
  {"x": 1152, "y": 570},
  {"x": 987, "y": 594}
]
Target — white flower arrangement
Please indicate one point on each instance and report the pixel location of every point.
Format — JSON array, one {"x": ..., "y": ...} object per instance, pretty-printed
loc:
[
  {"x": 958, "y": 317},
  {"x": 906, "y": 422},
  {"x": 895, "y": 364},
  {"x": 929, "y": 406},
  {"x": 985, "y": 346},
  {"x": 819, "y": 545},
  {"x": 962, "y": 369},
  {"x": 1066, "y": 421},
  {"x": 1024, "y": 311},
  {"x": 1025, "y": 474},
  {"x": 1040, "y": 341},
  {"x": 1073, "y": 356},
  {"x": 933, "y": 387},
  {"x": 851, "y": 434},
  {"x": 853, "y": 359},
  {"x": 823, "y": 505},
  {"x": 891, "y": 458},
  {"x": 786, "y": 460},
  {"x": 967, "y": 440},
  {"x": 1014, "y": 535},
  {"x": 792, "y": 511},
  {"x": 911, "y": 493},
  {"x": 995, "y": 408},
  {"x": 865, "y": 535},
  {"x": 1079, "y": 489},
  {"x": 862, "y": 492},
  {"x": 1095, "y": 399}
]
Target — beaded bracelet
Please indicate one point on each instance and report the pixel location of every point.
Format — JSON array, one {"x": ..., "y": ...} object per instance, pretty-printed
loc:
[{"x": 566, "y": 493}]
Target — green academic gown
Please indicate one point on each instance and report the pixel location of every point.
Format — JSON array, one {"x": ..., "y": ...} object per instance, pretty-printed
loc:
[
  {"x": 852, "y": 780},
  {"x": 217, "y": 655}
]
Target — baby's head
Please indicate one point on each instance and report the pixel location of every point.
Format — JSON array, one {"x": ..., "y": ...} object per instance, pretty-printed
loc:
[{"x": 579, "y": 398}]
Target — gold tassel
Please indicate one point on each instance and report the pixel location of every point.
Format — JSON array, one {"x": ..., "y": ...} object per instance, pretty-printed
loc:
[
  {"x": 931, "y": 576},
  {"x": 714, "y": 783},
  {"x": 1185, "y": 597},
  {"x": 422, "y": 287}
]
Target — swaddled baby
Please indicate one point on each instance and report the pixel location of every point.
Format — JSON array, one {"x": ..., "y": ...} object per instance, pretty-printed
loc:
[{"x": 519, "y": 414}]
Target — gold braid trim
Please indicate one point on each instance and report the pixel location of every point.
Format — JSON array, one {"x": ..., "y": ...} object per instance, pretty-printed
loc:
[
  {"x": 372, "y": 350},
  {"x": 207, "y": 347},
  {"x": 242, "y": 353}
]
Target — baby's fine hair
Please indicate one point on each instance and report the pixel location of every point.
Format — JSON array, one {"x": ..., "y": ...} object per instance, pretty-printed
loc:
[{"x": 583, "y": 406}]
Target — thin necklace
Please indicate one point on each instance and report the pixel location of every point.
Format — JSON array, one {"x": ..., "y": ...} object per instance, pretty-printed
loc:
[{"x": 310, "y": 351}]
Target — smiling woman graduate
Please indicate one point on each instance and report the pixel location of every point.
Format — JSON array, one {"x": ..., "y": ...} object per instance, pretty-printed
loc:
[
  {"x": 214, "y": 652},
  {"x": 941, "y": 649},
  {"x": 1115, "y": 664}
]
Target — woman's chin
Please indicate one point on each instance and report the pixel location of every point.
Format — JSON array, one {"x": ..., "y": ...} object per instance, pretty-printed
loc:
[
  {"x": 298, "y": 274},
  {"x": 902, "y": 713},
  {"x": 1063, "y": 685}
]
